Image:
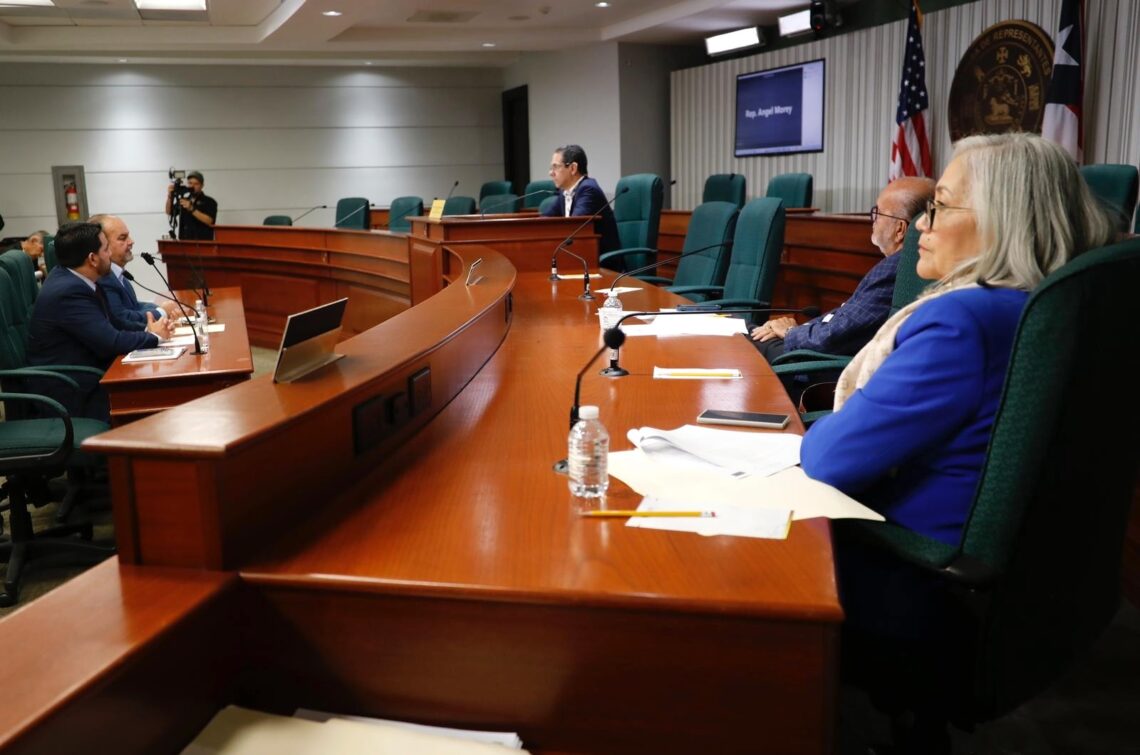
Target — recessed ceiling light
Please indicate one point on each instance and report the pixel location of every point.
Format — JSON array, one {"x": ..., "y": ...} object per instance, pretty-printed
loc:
[
  {"x": 488, "y": 44},
  {"x": 330, "y": 13},
  {"x": 601, "y": 5},
  {"x": 170, "y": 4}
]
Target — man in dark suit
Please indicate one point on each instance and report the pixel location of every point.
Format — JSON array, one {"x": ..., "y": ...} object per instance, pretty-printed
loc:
[
  {"x": 122, "y": 301},
  {"x": 71, "y": 323},
  {"x": 578, "y": 194}
]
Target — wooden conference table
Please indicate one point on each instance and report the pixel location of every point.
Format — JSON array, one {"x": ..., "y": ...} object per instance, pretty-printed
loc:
[
  {"x": 140, "y": 389},
  {"x": 387, "y": 538}
]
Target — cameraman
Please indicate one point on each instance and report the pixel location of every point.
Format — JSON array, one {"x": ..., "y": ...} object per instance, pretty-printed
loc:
[{"x": 196, "y": 211}]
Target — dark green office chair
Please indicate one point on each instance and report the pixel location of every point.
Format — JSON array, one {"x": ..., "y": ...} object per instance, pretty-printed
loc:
[
  {"x": 22, "y": 270},
  {"x": 459, "y": 206},
  {"x": 1116, "y": 187},
  {"x": 401, "y": 212},
  {"x": 793, "y": 188},
  {"x": 725, "y": 187},
  {"x": 277, "y": 220},
  {"x": 494, "y": 188},
  {"x": 494, "y": 204},
  {"x": 50, "y": 260},
  {"x": 637, "y": 213},
  {"x": 546, "y": 204},
  {"x": 1036, "y": 576},
  {"x": 711, "y": 228},
  {"x": 754, "y": 260},
  {"x": 534, "y": 200},
  {"x": 352, "y": 212}
]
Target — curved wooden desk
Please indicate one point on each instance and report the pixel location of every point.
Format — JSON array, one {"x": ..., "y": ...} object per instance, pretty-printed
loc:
[{"x": 439, "y": 572}]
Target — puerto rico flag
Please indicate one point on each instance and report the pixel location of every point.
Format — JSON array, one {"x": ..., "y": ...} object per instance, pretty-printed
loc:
[
  {"x": 910, "y": 145},
  {"x": 1063, "y": 98}
]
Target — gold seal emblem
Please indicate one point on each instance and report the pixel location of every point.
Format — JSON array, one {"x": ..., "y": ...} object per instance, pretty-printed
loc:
[{"x": 1000, "y": 84}]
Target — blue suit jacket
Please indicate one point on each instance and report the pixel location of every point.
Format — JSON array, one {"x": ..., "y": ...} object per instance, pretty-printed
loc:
[
  {"x": 911, "y": 443},
  {"x": 124, "y": 305},
  {"x": 847, "y": 328},
  {"x": 588, "y": 199},
  {"x": 71, "y": 325}
]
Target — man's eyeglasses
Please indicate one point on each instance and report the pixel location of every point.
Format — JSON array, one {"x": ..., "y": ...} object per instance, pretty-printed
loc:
[
  {"x": 934, "y": 207},
  {"x": 556, "y": 166},
  {"x": 875, "y": 215}
]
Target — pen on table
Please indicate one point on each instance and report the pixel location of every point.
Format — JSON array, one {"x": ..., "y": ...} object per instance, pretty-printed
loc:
[{"x": 635, "y": 512}]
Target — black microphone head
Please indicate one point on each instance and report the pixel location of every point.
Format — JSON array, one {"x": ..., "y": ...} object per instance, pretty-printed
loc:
[
  {"x": 624, "y": 190},
  {"x": 127, "y": 275},
  {"x": 614, "y": 337},
  {"x": 673, "y": 182},
  {"x": 147, "y": 257},
  {"x": 810, "y": 311}
]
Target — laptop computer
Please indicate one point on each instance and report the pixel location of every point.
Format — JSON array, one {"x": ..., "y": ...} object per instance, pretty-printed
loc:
[{"x": 308, "y": 341}]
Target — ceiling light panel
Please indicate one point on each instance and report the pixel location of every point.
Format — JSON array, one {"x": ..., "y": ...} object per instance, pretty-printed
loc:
[{"x": 188, "y": 5}]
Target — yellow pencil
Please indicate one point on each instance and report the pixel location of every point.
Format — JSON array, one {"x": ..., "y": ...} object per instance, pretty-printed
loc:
[
  {"x": 707, "y": 373},
  {"x": 635, "y": 512}
]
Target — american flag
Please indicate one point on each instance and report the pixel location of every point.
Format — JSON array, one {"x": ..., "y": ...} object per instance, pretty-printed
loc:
[
  {"x": 1062, "y": 123},
  {"x": 910, "y": 146}
]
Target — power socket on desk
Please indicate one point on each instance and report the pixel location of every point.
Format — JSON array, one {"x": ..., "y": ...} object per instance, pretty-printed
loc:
[{"x": 381, "y": 416}]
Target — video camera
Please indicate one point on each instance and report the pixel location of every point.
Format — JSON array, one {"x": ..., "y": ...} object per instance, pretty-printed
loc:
[{"x": 180, "y": 190}]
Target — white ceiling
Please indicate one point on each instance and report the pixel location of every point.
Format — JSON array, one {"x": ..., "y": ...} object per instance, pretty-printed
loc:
[{"x": 382, "y": 32}]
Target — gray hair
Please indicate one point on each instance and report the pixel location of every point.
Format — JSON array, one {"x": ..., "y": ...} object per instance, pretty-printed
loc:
[{"x": 1034, "y": 211}]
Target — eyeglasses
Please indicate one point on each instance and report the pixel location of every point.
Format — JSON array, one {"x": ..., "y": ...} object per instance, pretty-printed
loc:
[
  {"x": 556, "y": 166},
  {"x": 934, "y": 207},
  {"x": 875, "y": 215}
]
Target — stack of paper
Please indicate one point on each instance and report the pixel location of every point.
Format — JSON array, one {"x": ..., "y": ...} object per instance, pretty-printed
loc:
[
  {"x": 734, "y": 453},
  {"x": 239, "y": 731},
  {"x": 171, "y": 351}
]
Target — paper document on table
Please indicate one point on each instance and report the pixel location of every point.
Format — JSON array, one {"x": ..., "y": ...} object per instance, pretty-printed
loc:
[
  {"x": 701, "y": 324},
  {"x": 503, "y": 738},
  {"x": 578, "y": 277},
  {"x": 637, "y": 330},
  {"x": 186, "y": 340},
  {"x": 239, "y": 731},
  {"x": 791, "y": 488},
  {"x": 162, "y": 353},
  {"x": 734, "y": 453},
  {"x": 696, "y": 373},
  {"x": 184, "y": 330},
  {"x": 616, "y": 291},
  {"x": 730, "y": 519}
]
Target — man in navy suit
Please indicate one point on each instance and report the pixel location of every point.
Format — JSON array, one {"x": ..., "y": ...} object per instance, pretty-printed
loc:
[
  {"x": 578, "y": 194},
  {"x": 71, "y": 323},
  {"x": 122, "y": 301}
]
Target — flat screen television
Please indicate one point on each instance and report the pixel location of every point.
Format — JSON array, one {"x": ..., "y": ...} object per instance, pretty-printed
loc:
[{"x": 780, "y": 111}]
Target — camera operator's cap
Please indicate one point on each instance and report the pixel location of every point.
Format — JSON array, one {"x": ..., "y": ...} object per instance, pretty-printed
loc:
[{"x": 195, "y": 174}]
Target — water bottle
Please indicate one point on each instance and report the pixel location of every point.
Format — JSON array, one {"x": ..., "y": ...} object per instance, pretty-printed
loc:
[
  {"x": 610, "y": 312},
  {"x": 201, "y": 323},
  {"x": 588, "y": 454}
]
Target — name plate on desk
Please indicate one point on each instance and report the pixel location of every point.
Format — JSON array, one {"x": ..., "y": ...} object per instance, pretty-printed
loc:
[{"x": 437, "y": 209}]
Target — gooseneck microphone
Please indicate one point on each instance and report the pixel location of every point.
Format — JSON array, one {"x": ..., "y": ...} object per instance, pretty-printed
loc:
[
  {"x": 149, "y": 259},
  {"x": 311, "y": 209},
  {"x": 586, "y": 295},
  {"x": 449, "y": 193},
  {"x": 483, "y": 210},
  {"x": 132, "y": 279},
  {"x": 614, "y": 337},
  {"x": 560, "y": 466}
]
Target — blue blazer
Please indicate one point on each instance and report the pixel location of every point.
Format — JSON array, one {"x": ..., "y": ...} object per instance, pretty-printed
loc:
[
  {"x": 588, "y": 199},
  {"x": 124, "y": 305},
  {"x": 71, "y": 324},
  {"x": 848, "y": 327},
  {"x": 911, "y": 443}
]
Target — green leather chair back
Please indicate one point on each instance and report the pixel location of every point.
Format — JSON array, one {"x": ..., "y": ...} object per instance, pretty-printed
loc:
[
  {"x": 13, "y": 328},
  {"x": 352, "y": 212},
  {"x": 22, "y": 271},
  {"x": 1039, "y": 560},
  {"x": 536, "y": 200},
  {"x": 492, "y": 188},
  {"x": 1116, "y": 187},
  {"x": 493, "y": 204},
  {"x": 638, "y": 215},
  {"x": 907, "y": 283},
  {"x": 755, "y": 256},
  {"x": 277, "y": 220},
  {"x": 459, "y": 206},
  {"x": 712, "y": 224},
  {"x": 725, "y": 187},
  {"x": 546, "y": 204},
  {"x": 50, "y": 260},
  {"x": 401, "y": 211},
  {"x": 793, "y": 188}
]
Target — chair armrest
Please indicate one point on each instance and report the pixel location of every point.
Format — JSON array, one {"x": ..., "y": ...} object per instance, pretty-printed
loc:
[
  {"x": 81, "y": 368},
  {"x": 807, "y": 368},
  {"x": 10, "y": 464},
  {"x": 25, "y": 372},
  {"x": 809, "y": 417},
  {"x": 656, "y": 279},
  {"x": 805, "y": 355},
  {"x": 686, "y": 290},
  {"x": 617, "y": 254},
  {"x": 945, "y": 560}
]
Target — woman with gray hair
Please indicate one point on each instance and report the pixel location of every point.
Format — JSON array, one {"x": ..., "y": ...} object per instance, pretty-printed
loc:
[{"x": 914, "y": 408}]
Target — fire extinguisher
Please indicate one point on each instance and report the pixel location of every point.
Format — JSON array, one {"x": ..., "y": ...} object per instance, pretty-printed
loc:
[{"x": 71, "y": 197}]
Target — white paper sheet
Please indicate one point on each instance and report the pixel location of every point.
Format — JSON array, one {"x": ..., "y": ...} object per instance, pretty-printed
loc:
[
  {"x": 735, "y": 453},
  {"x": 730, "y": 519}
]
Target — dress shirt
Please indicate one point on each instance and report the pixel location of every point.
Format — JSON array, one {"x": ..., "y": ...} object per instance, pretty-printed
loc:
[{"x": 568, "y": 197}]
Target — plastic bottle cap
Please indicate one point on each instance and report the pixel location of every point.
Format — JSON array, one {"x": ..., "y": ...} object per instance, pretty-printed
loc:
[{"x": 587, "y": 412}]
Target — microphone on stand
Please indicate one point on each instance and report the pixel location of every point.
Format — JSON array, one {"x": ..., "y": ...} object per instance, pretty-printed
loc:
[
  {"x": 483, "y": 210},
  {"x": 561, "y": 465},
  {"x": 452, "y": 190},
  {"x": 149, "y": 259},
  {"x": 614, "y": 337},
  {"x": 306, "y": 212},
  {"x": 586, "y": 295},
  {"x": 132, "y": 279}
]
